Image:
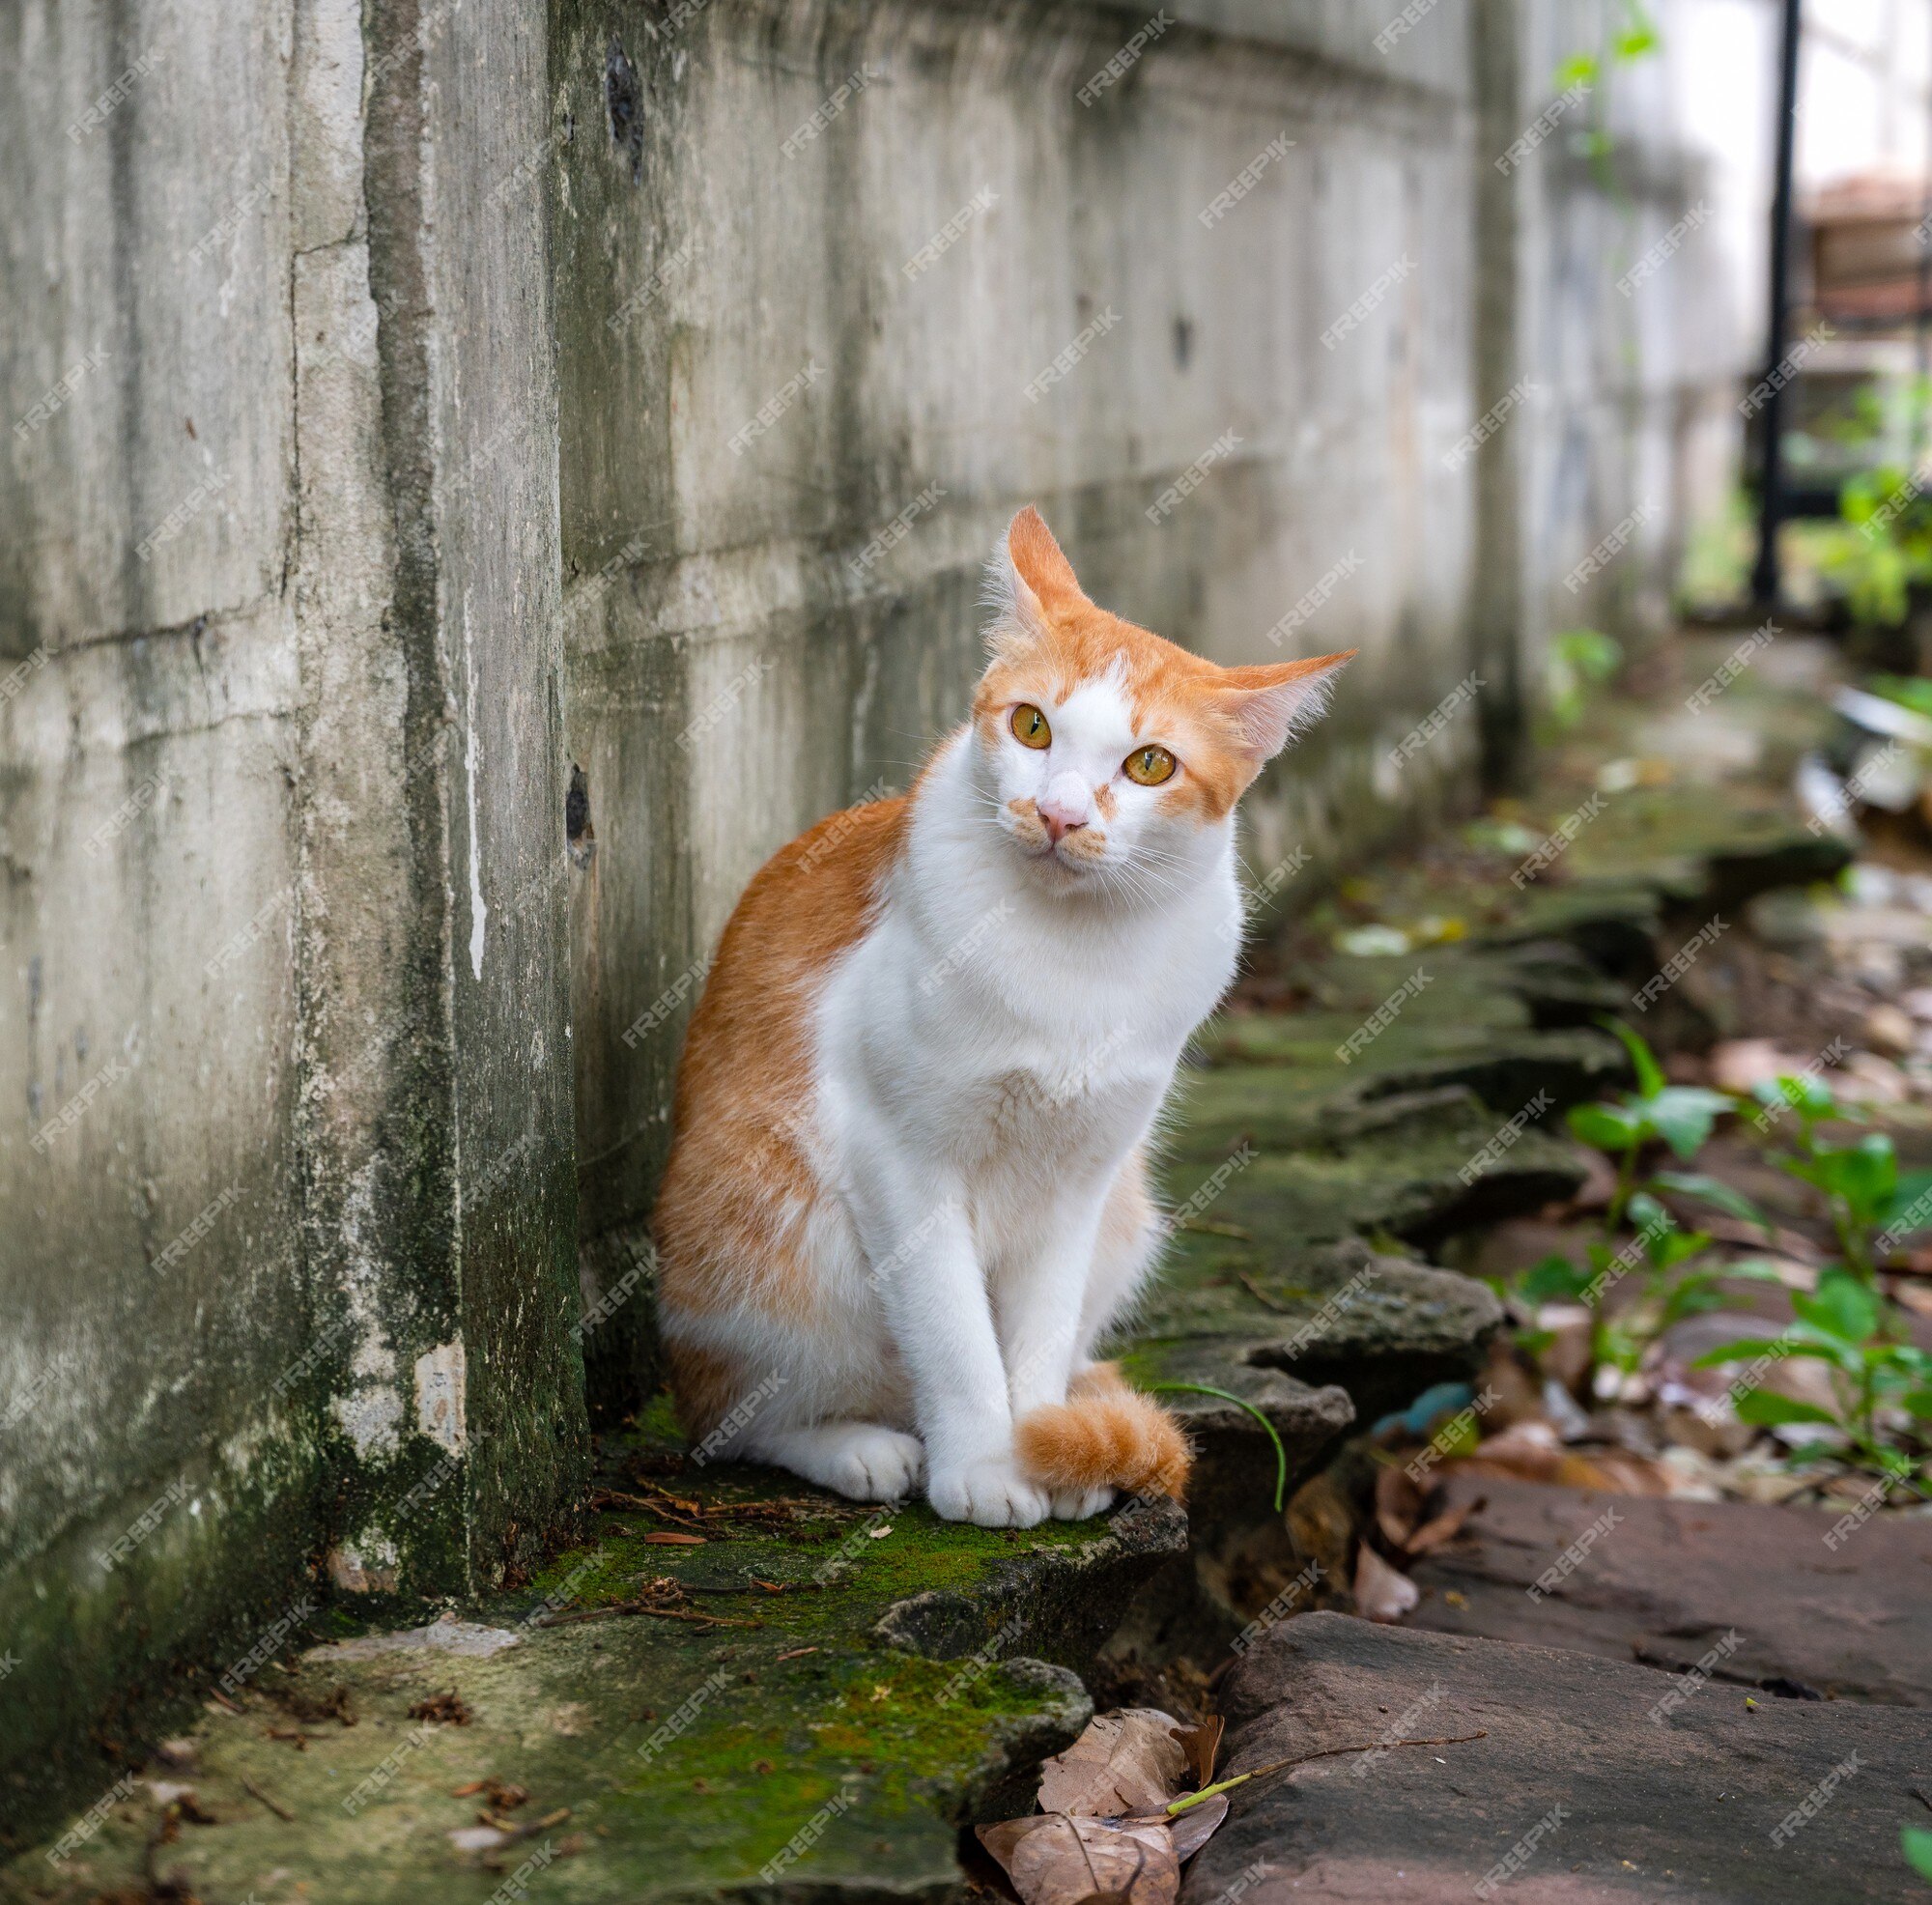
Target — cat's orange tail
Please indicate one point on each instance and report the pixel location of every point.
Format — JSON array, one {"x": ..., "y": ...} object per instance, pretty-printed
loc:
[{"x": 1104, "y": 1436}]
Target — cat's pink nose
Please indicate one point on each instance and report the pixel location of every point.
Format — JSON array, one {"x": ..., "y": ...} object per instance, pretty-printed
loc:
[
  {"x": 1064, "y": 805},
  {"x": 1062, "y": 815}
]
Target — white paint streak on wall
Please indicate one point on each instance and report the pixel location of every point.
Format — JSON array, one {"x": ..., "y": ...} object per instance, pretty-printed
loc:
[
  {"x": 440, "y": 1395},
  {"x": 479, "y": 913},
  {"x": 371, "y": 1411}
]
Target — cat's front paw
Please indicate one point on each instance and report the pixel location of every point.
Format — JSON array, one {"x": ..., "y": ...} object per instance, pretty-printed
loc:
[
  {"x": 874, "y": 1463},
  {"x": 991, "y": 1491}
]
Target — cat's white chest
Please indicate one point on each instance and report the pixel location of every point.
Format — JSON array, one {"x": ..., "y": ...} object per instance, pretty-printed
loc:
[{"x": 1083, "y": 1099}]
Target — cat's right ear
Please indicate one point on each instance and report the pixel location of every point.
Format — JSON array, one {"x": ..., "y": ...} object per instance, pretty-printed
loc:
[{"x": 1028, "y": 581}]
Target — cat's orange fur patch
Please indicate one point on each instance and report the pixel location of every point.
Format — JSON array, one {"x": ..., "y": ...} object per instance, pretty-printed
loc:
[
  {"x": 740, "y": 1183},
  {"x": 1104, "y": 1436},
  {"x": 703, "y": 1385}
]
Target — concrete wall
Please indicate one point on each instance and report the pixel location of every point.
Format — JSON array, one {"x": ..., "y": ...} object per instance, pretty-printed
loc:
[
  {"x": 449, "y": 541},
  {"x": 1640, "y": 299},
  {"x": 287, "y": 1257}
]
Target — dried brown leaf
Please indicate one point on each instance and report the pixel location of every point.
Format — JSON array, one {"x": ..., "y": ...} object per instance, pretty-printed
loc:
[
  {"x": 1201, "y": 1744},
  {"x": 1127, "y": 1761},
  {"x": 1322, "y": 1526},
  {"x": 1398, "y": 1505},
  {"x": 335, "y": 1705},
  {"x": 1530, "y": 1450},
  {"x": 1194, "y": 1828},
  {"x": 1441, "y": 1529},
  {"x": 1615, "y": 1471},
  {"x": 1059, "y": 1860},
  {"x": 445, "y": 1708},
  {"x": 1001, "y": 1839},
  {"x": 1534, "y": 1452},
  {"x": 1739, "y": 1064}
]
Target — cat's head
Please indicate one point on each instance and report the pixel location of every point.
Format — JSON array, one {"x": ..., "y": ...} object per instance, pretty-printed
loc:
[{"x": 1105, "y": 752}]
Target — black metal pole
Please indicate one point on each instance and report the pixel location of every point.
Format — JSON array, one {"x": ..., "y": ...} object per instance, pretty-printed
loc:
[
  {"x": 1771, "y": 486},
  {"x": 1921, "y": 318}
]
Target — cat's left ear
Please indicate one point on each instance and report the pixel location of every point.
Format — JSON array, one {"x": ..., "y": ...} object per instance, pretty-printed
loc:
[
  {"x": 1272, "y": 701},
  {"x": 1028, "y": 581}
]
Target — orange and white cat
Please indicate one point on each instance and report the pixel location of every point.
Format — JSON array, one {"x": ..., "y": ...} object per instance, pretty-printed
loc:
[{"x": 907, "y": 1193}]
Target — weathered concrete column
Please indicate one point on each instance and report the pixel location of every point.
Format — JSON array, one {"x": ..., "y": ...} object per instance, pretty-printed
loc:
[
  {"x": 287, "y": 1208},
  {"x": 481, "y": 1382}
]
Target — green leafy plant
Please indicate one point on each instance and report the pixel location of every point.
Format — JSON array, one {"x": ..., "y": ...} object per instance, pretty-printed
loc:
[
  {"x": 1633, "y": 39},
  {"x": 1917, "y": 1845},
  {"x": 1842, "y": 1326},
  {"x": 1860, "y": 1183},
  {"x": 1886, "y": 547},
  {"x": 1576, "y": 659},
  {"x": 1846, "y": 1324},
  {"x": 1680, "y": 1118},
  {"x": 1679, "y": 1115},
  {"x": 1719, "y": 545},
  {"x": 1877, "y": 1378}
]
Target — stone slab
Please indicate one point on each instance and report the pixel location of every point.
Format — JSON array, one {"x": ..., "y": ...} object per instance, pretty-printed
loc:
[
  {"x": 1385, "y": 1328},
  {"x": 1630, "y": 1807},
  {"x": 1846, "y": 1613}
]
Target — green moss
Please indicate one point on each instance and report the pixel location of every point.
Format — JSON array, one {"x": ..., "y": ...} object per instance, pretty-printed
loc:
[
  {"x": 775, "y": 1705},
  {"x": 656, "y": 1424},
  {"x": 905, "y": 1733}
]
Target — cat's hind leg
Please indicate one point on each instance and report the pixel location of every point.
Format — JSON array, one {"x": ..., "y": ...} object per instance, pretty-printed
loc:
[
  {"x": 863, "y": 1460},
  {"x": 1124, "y": 1251}
]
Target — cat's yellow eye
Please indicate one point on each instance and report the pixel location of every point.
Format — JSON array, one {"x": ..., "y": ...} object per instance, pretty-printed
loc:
[
  {"x": 1149, "y": 766},
  {"x": 1029, "y": 725}
]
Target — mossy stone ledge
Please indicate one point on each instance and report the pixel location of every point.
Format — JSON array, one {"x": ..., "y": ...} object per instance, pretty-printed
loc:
[{"x": 850, "y": 1683}]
